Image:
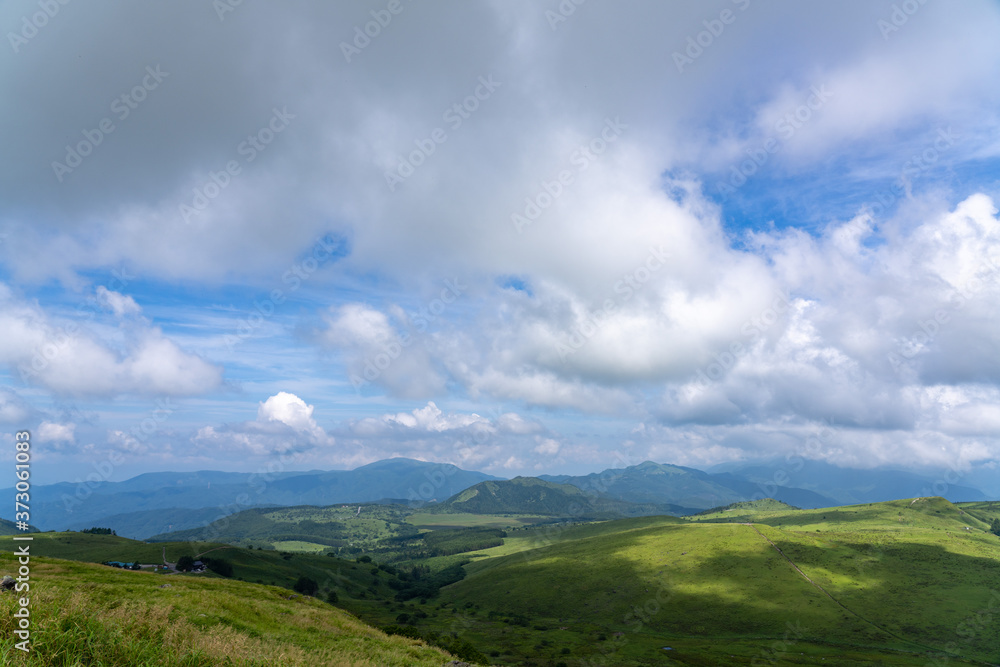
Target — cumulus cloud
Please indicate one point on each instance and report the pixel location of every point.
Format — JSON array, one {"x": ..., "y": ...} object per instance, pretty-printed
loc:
[
  {"x": 376, "y": 353},
  {"x": 13, "y": 408},
  {"x": 642, "y": 294},
  {"x": 119, "y": 304},
  {"x": 284, "y": 425},
  {"x": 50, "y": 432},
  {"x": 291, "y": 410},
  {"x": 547, "y": 447},
  {"x": 70, "y": 360},
  {"x": 466, "y": 439}
]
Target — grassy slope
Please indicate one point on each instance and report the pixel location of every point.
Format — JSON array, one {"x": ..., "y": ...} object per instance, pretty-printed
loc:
[
  {"x": 90, "y": 614},
  {"x": 530, "y": 495},
  {"x": 426, "y": 520},
  {"x": 261, "y": 526},
  {"x": 909, "y": 567},
  {"x": 715, "y": 592},
  {"x": 347, "y": 577},
  {"x": 984, "y": 511}
]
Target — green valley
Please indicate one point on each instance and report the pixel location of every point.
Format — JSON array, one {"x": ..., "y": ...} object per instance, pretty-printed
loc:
[{"x": 897, "y": 583}]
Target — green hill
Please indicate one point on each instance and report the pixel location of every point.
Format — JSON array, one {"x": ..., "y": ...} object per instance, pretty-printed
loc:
[
  {"x": 530, "y": 495},
  {"x": 985, "y": 512},
  {"x": 278, "y": 568},
  {"x": 10, "y": 528},
  {"x": 907, "y": 582},
  {"x": 744, "y": 509},
  {"x": 362, "y": 527},
  {"x": 84, "y": 614},
  {"x": 911, "y": 582}
]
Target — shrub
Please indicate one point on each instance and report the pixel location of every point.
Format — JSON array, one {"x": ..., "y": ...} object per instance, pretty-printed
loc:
[
  {"x": 221, "y": 567},
  {"x": 306, "y": 586}
]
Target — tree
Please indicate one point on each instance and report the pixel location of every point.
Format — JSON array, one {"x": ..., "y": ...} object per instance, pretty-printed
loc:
[
  {"x": 185, "y": 564},
  {"x": 332, "y": 597},
  {"x": 995, "y": 527},
  {"x": 221, "y": 567},
  {"x": 306, "y": 586}
]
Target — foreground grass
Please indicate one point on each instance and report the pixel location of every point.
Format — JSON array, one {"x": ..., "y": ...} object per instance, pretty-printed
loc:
[{"x": 86, "y": 614}]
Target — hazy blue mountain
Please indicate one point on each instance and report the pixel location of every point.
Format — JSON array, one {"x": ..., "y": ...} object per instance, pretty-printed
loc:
[
  {"x": 661, "y": 483},
  {"x": 64, "y": 505},
  {"x": 146, "y": 523},
  {"x": 10, "y": 528},
  {"x": 150, "y": 503},
  {"x": 850, "y": 486},
  {"x": 531, "y": 495}
]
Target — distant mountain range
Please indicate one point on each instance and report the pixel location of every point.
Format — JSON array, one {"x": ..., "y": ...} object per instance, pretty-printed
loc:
[
  {"x": 170, "y": 501},
  {"x": 532, "y": 495},
  {"x": 157, "y": 501},
  {"x": 651, "y": 482},
  {"x": 849, "y": 486},
  {"x": 10, "y": 528}
]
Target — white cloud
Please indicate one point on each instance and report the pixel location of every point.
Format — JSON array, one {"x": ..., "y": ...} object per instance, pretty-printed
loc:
[
  {"x": 13, "y": 408},
  {"x": 547, "y": 447},
  {"x": 886, "y": 322},
  {"x": 375, "y": 353},
  {"x": 69, "y": 360},
  {"x": 120, "y": 304},
  {"x": 50, "y": 432},
  {"x": 291, "y": 410},
  {"x": 284, "y": 425}
]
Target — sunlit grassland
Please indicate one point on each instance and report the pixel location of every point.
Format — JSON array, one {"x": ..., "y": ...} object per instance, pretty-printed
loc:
[
  {"x": 299, "y": 545},
  {"x": 718, "y": 593},
  {"x": 897, "y": 583},
  {"x": 430, "y": 520},
  {"x": 85, "y": 614}
]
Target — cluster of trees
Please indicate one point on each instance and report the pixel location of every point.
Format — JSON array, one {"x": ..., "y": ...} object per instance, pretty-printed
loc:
[
  {"x": 98, "y": 531},
  {"x": 461, "y": 540},
  {"x": 306, "y": 586},
  {"x": 995, "y": 527},
  {"x": 421, "y": 583},
  {"x": 448, "y": 641}
]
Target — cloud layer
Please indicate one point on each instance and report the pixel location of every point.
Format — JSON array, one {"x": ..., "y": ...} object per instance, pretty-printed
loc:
[{"x": 692, "y": 233}]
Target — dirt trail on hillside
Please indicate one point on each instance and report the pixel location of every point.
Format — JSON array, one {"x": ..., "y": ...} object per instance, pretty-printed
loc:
[{"x": 842, "y": 606}]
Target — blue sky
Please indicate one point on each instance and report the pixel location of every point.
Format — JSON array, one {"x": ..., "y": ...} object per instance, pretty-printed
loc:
[{"x": 504, "y": 235}]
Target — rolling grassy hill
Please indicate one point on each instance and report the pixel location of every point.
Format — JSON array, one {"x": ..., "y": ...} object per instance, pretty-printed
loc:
[
  {"x": 898, "y": 583},
  {"x": 531, "y": 495},
  {"x": 357, "y": 527},
  {"x": 270, "y": 567},
  {"x": 144, "y": 524},
  {"x": 85, "y": 614},
  {"x": 985, "y": 512},
  {"x": 908, "y": 582},
  {"x": 912, "y": 580}
]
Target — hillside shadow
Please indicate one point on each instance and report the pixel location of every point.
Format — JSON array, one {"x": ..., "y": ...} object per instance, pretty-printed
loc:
[{"x": 650, "y": 583}]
